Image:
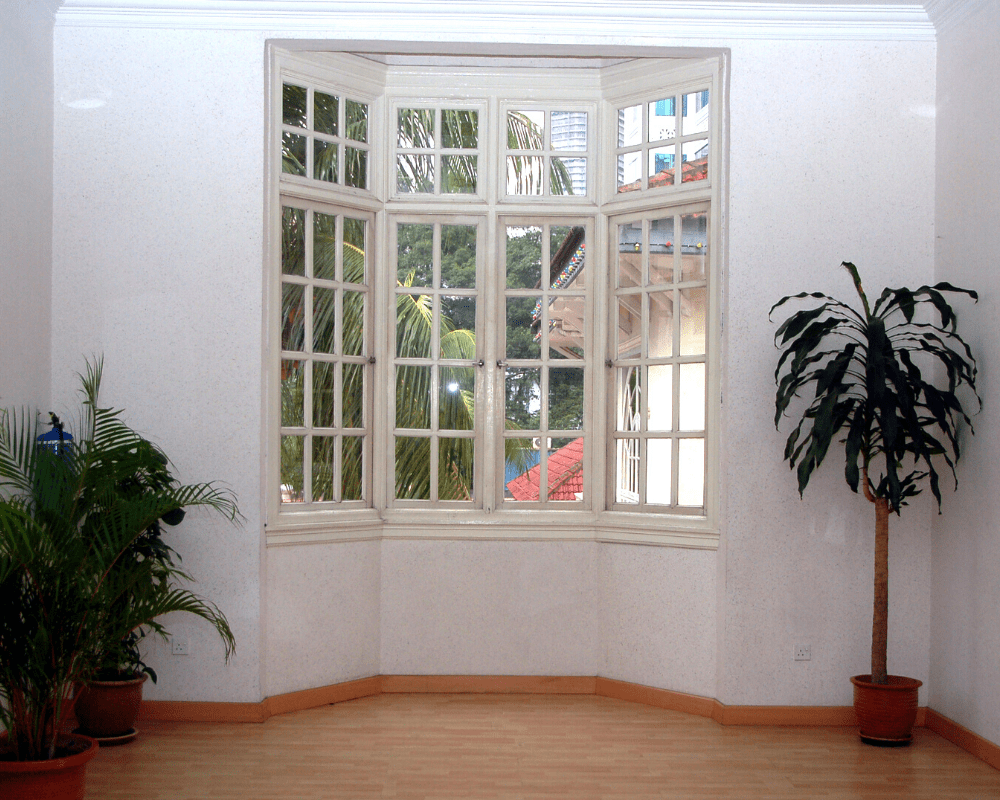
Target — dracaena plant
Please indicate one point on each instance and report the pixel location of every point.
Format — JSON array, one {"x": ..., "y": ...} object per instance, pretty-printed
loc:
[{"x": 885, "y": 381}]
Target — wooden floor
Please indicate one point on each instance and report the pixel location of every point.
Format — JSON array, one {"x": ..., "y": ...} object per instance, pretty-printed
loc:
[{"x": 522, "y": 746}]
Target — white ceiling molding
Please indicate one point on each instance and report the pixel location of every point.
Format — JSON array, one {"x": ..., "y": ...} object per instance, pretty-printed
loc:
[
  {"x": 946, "y": 14},
  {"x": 638, "y": 22}
]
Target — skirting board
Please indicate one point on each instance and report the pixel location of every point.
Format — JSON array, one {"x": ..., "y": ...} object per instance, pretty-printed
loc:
[{"x": 811, "y": 716}]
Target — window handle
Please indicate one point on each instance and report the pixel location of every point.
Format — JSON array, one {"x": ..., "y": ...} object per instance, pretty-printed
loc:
[
  {"x": 501, "y": 363},
  {"x": 480, "y": 363},
  {"x": 371, "y": 359},
  {"x": 609, "y": 363}
]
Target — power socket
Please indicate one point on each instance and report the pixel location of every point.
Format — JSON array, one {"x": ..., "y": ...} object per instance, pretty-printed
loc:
[
  {"x": 802, "y": 652},
  {"x": 179, "y": 646}
]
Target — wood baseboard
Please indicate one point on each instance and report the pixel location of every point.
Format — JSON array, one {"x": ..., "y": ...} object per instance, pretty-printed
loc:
[
  {"x": 973, "y": 743},
  {"x": 661, "y": 698}
]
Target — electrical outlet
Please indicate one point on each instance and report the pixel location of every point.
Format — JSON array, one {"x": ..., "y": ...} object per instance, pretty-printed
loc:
[
  {"x": 802, "y": 652},
  {"x": 179, "y": 646}
]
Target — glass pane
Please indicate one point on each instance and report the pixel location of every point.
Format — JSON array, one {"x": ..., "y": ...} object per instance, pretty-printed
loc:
[
  {"x": 324, "y": 236},
  {"x": 629, "y": 392},
  {"x": 458, "y": 327},
  {"x": 629, "y": 325},
  {"x": 357, "y": 121},
  {"x": 293, "y": 153},
  {"x": 693, "y": 307},
  {"x": 691, "y": 472},
  {"x": 695, "y": 157},
  {"x": 324, "y": 395},
  {"x": 661, "y": 251},
  {"x": 524, "y": 175},
  {"x": 292, "y": 393},
  {"x": 661, "y": 324},
  {"x": 353, "y": 396},
  {"x": 456, "y": 400},
  {"x": 291, "y": 469},
  {"x": 630, "y": 254},
  {"x": 354, "y": 324},
  {"x": 627, "y": 471},
  {"x": 692, "y": 397},
  {"x": 413, "y": 468},
  {"x": 413, "y": 397},
  {"x": 565, "y": 399},
  {"x": 293, "y": 241},
  {"x": 629, "y": 172},
  {"x": 324, "y": 320},
  {"x": 460, "y": 128},
  {"x": 565, "y": 464},
  {"x": 694, "y": 253},
  {"x": 326, "y": 111},
  {"x": 414, "y": 173},
  {"x": 293, "y": 105},
  {"x": 325, "y": 161},
  {"x": 458, "y": 256},
  {"x": 293, "y": 317},
  {"x": 695, "y": 112},
  {"x": 662, "y": 120},
  {"x": 459, "y": 174},
  {"x": 456, "y": 468},
  {"x": 525, "y": 130},
  {"x": 524, "y": 258},
  {"x": 322, "y": 468},
  {"x": 522, "y": 405},
  {"x": 415, "y": 128},
  {"x": 660, "y": 414},
  {"x": 629, "y": 126},
  {"x": 523, "y": 335},
  {"x": 658, "y": 471},
  {"x": 351, "y": 468},
  {"x": 568, "y": 176},
  {"x": 569, "y": 130},
  {"x": 521, "y": 470},
  {"x": 413, "y": 333},
  {"x": 354, "y": 250},
  {"x": 414, "y": 254},
  {"x": 567, "y": 337},
  {"x": 356, "y": 174},
  {"x": 661, "y": 167}
]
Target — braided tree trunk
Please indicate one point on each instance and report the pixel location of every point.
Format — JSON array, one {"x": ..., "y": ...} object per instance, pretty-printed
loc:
[{"x": 880, "y": 613}]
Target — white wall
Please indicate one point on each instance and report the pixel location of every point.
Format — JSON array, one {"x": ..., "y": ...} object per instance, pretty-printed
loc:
[
  {"x": 25, "y": 201},
  {"x": 965, "y": 651}
]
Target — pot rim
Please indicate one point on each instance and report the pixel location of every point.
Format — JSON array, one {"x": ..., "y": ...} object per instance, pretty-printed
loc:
[
  {"x": 142, "y": 677},
  {"x": 897, "y": 683},
  {"x": 55, "y": 764}
]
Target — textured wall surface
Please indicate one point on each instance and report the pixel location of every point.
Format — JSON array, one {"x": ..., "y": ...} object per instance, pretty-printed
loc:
[{"x": 965, "y": 631}]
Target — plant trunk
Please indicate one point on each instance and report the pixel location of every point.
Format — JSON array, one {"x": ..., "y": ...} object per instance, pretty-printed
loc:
[{"x": 880, "y": 614}]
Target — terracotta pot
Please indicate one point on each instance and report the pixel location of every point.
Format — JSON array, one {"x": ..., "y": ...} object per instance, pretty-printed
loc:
[
  {"x": 57, "y": 779},
  {"x": 109, "y": 709},
  {"x": 886, "y": 713}
]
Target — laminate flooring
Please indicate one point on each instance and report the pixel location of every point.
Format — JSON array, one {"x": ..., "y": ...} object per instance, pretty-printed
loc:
[{"x": 508, "y": 747}]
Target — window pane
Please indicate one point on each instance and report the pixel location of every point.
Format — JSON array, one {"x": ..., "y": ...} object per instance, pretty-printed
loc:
[
  {"x": 458, "y": 327},
  {"x": 525, "y": 130},
  {"x": 291, "y": 469},
  {"x": 661, "y": 251},
  {"x": 629, "y": 126},
  {"x": 567, "y": 336},
  {"x": 691, "y": 472},
  {"x": 627, "y": 415},
  {"x": 629, "y": 172},
  {"x": 658, "y": 471},
  {"x": 458, "y": 256},
  {"x": 413, "y": 397},
  {"x": 415, "y": 128},
  {"x": 353, "y": 396},
  {"x": 565, "y": 468},
  {"x": 357, "y": 121},
  {"x": 694, "y": 254},
  {"x": 293, "y": 153},
  {"x": 630, "y": 254},
  {"x": 351, "y": 468},
  {"x": 460, "y": 128},
  {"x": 326, "y": 110},
  {"x": 569, "y": 130},
  {"x": 456, "y": 467},
  {"x": 661, "y": 324},
  {"x": 520, "y": 470},
  {"x": 292, "y": 316},
  {"x": 524, "y": 257},
  {"x": 324, "y": 394},
  {"x": 627, "y": 471},
  {"x": 325, "y": 161},
  {"x": 414, "y": 254},
  {"x": 414, "y": 173},
  {"x": 695, "y": 157},
  {"x": 522, "y": 328},
  {"x": 565, "y": 399},
  {"x": 661, "y": 167},
  {"x": 662, "y": 120},
  {"x": 292, "y": 388},
  {"x": 523, "y": 398},
  {"x": 356, "y": 174},
  {"x": 293, "y": 105},
  {"x": 568, "y": 176},
  {"x": 354, "y": 250},
  {"x": 322, "y": 468},
  {"x": 695, "y": 112},
  {"x": 456, "y": 400},
  {"x": 524, "y": 175},
  {"x": 660, "y": 415},
  {"x": 413, "y": 468},
  {"x": 324, "y": 238},
  {"x": 459, "y": 174},
  {"x": 629, "y": 328},
  {"x": 293, "y": 241},
  {"x": 353, "y": 324},
  {"x": 324, "y": 320},
  {"x": 692, "y": 397},
  {"x": 693, "y": 321}
]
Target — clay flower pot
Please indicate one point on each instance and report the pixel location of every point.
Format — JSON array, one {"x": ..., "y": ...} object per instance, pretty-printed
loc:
[
  {"x": 109, "y": 709},
  {"x": 886, "y": 713},
  {"x": 56, "y": 779}
]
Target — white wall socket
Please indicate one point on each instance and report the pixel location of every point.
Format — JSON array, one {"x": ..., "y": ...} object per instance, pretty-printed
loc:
[
  {"x": 179, "y": 646},
  {"x": 802, "y": 652}
]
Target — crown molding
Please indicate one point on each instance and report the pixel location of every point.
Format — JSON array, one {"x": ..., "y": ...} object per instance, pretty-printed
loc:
[
  {"x": 948, "y": 14},
  {"x": 640, "y": 22}
]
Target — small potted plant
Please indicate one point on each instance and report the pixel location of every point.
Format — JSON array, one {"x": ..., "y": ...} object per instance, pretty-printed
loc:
[
  {"x": 866, "y": 378},
  {"x": 64, "y": 570}
]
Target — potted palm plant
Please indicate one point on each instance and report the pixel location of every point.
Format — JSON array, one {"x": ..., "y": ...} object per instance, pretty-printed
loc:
[
  {"x": 71, "y": 586},
  {"x": 873, "y": 376}
]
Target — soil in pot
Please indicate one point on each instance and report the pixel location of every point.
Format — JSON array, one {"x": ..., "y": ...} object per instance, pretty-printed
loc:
[
  {"x": 107, "y": 710},
  {"x": 61, "y": 778},
  {"x": 886, "y": 712}
]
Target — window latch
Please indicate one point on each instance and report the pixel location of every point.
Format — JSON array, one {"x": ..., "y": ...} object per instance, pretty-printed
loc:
[
  {"x": 609, "y": 363},
  {"x": 501, "y": 363},
  {"x": 480, "y": 363},
  {"x": 371, "y": 359}
]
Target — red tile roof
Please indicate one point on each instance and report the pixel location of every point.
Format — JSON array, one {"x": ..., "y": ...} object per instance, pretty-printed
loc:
[{"x": 565, "y": 475}]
